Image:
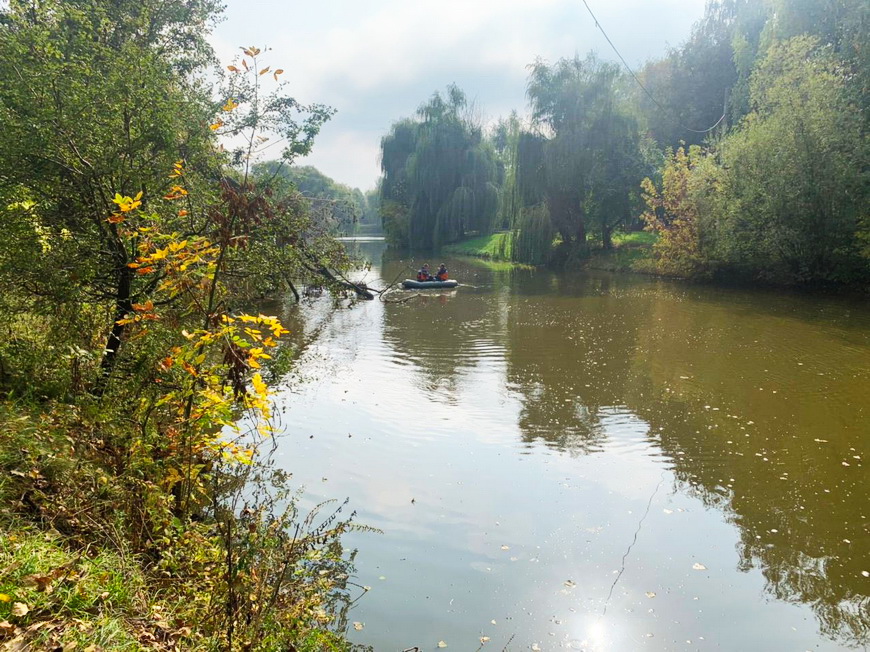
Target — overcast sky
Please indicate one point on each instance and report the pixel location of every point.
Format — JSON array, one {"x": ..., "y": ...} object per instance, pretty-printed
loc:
[{"x": 376, "y": 61}]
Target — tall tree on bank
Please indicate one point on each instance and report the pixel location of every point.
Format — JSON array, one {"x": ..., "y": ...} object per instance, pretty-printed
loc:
[
  {"x": 582, "y": 157},
  {"x": 441, "y": 177}
]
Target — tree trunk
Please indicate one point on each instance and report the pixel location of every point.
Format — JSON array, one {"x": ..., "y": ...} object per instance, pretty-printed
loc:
[
  {"x": 606, "y": 240},
  {"x": 123, "y": 306}
]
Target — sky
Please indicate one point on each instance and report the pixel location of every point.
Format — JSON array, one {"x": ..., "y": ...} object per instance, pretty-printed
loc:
[{"x": 377, "y": 61}]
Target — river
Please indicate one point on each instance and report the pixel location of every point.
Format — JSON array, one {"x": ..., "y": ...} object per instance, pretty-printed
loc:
[{"x": 590, "y": 461}]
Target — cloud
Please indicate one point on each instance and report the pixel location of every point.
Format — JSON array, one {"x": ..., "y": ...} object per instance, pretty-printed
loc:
[{"x": 377, "y": 61}]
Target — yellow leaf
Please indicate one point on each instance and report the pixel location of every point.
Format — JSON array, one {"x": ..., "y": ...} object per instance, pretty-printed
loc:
[
  {"x": 264, "y": 70},
  {"x": 259, "y": 386},
  {"x": 216, "y": 125},
  {"x": 4, "y": 597},
  {"x": 232, "y": 69}
]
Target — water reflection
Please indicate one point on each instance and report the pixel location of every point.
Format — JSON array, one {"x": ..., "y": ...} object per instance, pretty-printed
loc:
[{"x": 541, "y": 413}]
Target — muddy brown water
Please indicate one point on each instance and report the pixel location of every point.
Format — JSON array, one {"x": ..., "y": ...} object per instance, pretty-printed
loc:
[{"x": 590, "y": 462}]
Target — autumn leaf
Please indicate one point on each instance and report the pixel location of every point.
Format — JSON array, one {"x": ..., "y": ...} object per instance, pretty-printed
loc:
[
  {"x": 264, "y": 70},
  {"x": 20, "y": 609},
  {"x": 232, "y": 69},
  {"x": 42, "y": 583},
  {"x": 358, "y": 626}
]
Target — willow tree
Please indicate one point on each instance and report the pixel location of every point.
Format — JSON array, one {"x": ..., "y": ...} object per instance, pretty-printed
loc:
[
  {"x": 581, "y": 156},
  {"x": 440, "y": 175}
]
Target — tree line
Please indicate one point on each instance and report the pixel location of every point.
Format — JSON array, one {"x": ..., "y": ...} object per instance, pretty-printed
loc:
[{"x": 745, "y": 150}]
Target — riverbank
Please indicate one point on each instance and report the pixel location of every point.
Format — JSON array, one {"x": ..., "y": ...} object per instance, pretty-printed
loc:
[
  {"x": 631, "y": 252},
  {"x": 496, "y": 246},
  {"x": 93, "y": 558}
]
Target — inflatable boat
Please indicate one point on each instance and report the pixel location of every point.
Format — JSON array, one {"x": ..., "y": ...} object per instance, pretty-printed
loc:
[{"x": 410, "y": 284}]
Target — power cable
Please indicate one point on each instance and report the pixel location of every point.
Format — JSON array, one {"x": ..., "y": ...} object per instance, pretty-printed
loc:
[{"x": 639, "y": 83}]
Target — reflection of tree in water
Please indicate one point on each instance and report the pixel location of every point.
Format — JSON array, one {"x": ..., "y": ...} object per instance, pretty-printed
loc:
[
  {"x": 442, "y": 336},
  {"x": 569, "y": 357},
  {"x": 801, "y": 513},
  {"x": 810, "y": 546}
]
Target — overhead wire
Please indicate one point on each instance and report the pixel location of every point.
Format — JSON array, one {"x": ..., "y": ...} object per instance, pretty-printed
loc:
[{"x": 640, "y": 83}]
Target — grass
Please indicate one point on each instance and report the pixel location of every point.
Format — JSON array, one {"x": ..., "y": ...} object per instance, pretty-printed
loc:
[
  {"x": 634, "y": 239},
  {"x": 496, "y": 246},
  {"x": 71, "y": 578},
  {"x": 56, "y": 596},
  {"x": 631, "y": 253}
]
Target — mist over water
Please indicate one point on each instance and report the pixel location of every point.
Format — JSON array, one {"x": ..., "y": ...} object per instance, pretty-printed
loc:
[{"x": 591, "y": 462}]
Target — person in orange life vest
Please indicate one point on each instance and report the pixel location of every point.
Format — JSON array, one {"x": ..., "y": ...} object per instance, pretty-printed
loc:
[
  {"x": 441, "y": 274},
  {"x": 423, "y": 274}
]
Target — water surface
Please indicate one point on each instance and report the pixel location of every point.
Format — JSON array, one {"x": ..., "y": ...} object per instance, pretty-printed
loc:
[{"x": 591, "y": 462}]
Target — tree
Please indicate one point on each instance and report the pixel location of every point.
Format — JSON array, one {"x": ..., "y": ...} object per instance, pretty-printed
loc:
[
  {"x": 102, "y": 100},
  {"x": 336, "y": 205},
  {"x": 675, "y": 214},
  {"x": 582, "y": 157},
  {"x": 440, "y": 176},
  {"x": 796, "y": 170},
  {"x": 65, "y": 158}
]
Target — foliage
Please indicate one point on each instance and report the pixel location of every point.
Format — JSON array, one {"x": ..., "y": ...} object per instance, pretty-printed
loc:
[
  {"x": 441, "y": 177},
  {"x": 784, "y": 197},
  {"x": 133, "y": 239},
  {"x": 584, "y": 157},
  {"x": 799, "y": 222},
  {"x": 533, "y": 240},
  {"x": 673, "y": 213},
  {"x": 64, "y": 157}
]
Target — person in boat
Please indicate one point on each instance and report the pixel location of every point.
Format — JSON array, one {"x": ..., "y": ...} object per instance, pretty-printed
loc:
[
  {"x": 441, "y": 274},
  {"x": 423, "y": 274}
]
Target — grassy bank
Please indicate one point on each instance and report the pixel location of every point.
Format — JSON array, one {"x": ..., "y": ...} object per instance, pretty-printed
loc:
[
  {"x": 631, "y": 252},
  {"x": 91, "y": 557},
  {"x": 496, "y": 247}
]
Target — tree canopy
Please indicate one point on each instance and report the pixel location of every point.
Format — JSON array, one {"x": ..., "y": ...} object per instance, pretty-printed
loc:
[{"x": 441, "y": 177}]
